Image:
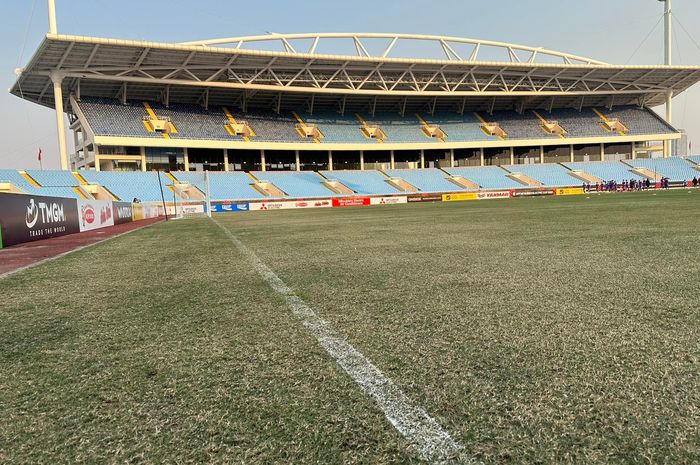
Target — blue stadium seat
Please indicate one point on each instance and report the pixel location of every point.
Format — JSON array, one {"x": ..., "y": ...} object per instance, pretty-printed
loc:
[
  {"x": 676, "y": 169},
  {"x": 127, "y": 185},
  {"x": 605, "y": 170},
  {"x": 306, "y": 184},
  {"x": 487, "y": 177},
  {"x": 549, "y": 174},
  {"x": 14, "y": 177},
  {"x": 426, "y": 180},
  {"x": 368, "y": 182},
  {"x": 223, "y": 186}
]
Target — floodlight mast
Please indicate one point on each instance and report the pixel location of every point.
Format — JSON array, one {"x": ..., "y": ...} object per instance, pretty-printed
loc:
[{"x": 58, "y": 95}]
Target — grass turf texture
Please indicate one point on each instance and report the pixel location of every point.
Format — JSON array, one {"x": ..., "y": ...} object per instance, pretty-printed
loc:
[{"x": 549, "y": 330}]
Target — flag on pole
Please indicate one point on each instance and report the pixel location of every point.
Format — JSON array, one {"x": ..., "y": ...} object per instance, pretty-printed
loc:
[
  {"x": 41, "y": 165},
  {"x": 39, "y": 154}
]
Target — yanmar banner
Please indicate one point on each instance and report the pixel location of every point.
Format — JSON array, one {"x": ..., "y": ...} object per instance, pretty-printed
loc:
[
  {"x": 388, "y": 200},
  {"x": 95, "y": 214},
  {"x": 351, "y": 202},
  {"x": 122, "y": 212},
  {"x": 493, "y": 195},
  {"x": 26, "y": 218}
]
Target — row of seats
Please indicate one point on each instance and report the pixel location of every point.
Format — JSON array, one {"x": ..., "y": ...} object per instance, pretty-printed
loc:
[
  {"x": 238, "y": 185},
  {"x": 109, "y": 117}
]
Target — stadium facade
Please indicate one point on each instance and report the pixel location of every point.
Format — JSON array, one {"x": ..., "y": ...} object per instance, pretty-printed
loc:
[{"x": 326, "y": 102}]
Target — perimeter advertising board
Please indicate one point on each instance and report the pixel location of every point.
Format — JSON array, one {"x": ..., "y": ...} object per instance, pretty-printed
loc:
[
  {"x": 122, "y": 212},
  {"x": 351, "y": 202},
  {"x": 388, "y": 200},
  {"x": 26, "y": 218},
  {"x": 569, "y": 191},
  {"x": 459, "y": 197},
  {"x": 290, "y": 205},
  {"x": 229, "y": 208},
  {"x": 95, "y": 214},
  {"x": 425, "y": 198},
  {"x": 493, "y": 195}
]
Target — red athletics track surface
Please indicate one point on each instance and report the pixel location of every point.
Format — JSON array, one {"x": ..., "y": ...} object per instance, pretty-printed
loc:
[{"x": 25, "y": 255}]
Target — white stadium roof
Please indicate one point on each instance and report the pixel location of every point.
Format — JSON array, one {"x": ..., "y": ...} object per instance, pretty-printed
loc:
[{"x": 289, "y": 70}]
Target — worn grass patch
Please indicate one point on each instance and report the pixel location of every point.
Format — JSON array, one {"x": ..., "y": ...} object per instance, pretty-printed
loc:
[
  {"x": 165, "y": 347},
  {"x": 533, "y": 330}
]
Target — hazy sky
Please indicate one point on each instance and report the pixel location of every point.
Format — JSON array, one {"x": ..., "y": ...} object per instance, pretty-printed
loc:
[{"x": 609, "y": 30}]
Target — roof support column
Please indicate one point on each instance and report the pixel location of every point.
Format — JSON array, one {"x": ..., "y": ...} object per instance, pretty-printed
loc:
[
  {"x": 512, "y": 155},
  {"x": 481, "y": 154},
  {"x": 263, "y": 168},
  {"x": 297, "y": 160},
  {"x": 542, "y": 154},
  {"x": 602, "y": 152},
  {"x": 330, "y": 160},
  {"x": 362, "y": 160},
  {"x": 452, "y": 158},
  {"x": 60, "y": 123},
  {"x": 186, "y": 156},
  {"x": 226, "y": 160},
  {"x": 391, "y": 160},
  {"x": 422, "y": 158},
  {"x": 572, "y": 154},
  {"x": 53, "y": 29},
  {"x": 634, "y": 150},
  {"x": 143, "y": 158}
]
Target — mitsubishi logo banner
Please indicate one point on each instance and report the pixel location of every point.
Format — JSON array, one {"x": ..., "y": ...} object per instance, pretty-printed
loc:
[{"x": 25, "y": 218}]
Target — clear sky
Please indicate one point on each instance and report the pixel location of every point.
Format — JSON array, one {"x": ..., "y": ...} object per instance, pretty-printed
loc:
[{"x": 609, "y": 30}]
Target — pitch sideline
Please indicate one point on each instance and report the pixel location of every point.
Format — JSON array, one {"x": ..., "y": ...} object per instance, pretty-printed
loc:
[{"x": 432, "y": 443}]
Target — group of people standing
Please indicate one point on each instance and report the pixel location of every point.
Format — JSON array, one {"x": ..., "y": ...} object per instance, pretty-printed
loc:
[{"x": 624, "y": 186}]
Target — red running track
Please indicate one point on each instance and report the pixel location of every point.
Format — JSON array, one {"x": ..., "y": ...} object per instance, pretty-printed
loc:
[{"x": 26, "y": 255}]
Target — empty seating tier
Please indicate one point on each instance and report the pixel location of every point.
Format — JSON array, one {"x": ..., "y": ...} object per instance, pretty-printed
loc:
[
  {"x": 487, "y": 177},
  {"x": 426, "y": 180},
  {"x": 363, "y": 182},
  {"x": 222, "y": 186},
  {"x": 129, "y": 185},
  {"x": 605, "y": 170},
  {"x": 303, "y": 184},
  {"x": 52, "y": 190},
  {"x": 676, "y": 169},
  {"x": 108, "y": 117},
  {"x": 551, "y": 175}
]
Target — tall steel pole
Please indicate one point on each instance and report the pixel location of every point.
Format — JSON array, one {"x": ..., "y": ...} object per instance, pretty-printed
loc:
[
  {"x": 668, "y": 61},
  {"x": 52, "y": 17},
  {"x": 58, "y": 96}
]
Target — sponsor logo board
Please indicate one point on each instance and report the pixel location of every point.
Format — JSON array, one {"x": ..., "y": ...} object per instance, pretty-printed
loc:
[
  {"x": 123, "y": 212},
  {"x": 425, "y": 198},
  {"x": 95, "y": 214},
  {"x": 459, "y": 197},
  {"x": 230, "y": 207},
  {"x": 289, "y": 205},
  {"x": 388, "y": 200},
  {"x": 493, "y": 195},
  {"x": 25, "y": 218},
  {"x": 536, "y": 193},
  {"x": 569, "y": 191},
  {"x": 351, "y": 202}
]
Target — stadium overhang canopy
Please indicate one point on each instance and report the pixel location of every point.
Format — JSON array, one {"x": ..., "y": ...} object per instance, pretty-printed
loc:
[{"x": 274, "y": 70}]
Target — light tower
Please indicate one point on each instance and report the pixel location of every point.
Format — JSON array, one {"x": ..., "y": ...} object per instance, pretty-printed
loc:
[
  {"x": 58, "y": 95},
  {"x": 668, "y": 61}
]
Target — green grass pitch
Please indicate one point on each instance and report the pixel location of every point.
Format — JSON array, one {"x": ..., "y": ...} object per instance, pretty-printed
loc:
[{"x": 544, "y": 330}]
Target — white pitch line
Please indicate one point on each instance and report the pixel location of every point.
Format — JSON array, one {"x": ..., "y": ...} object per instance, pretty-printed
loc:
[{"x": 432, "y": 443}]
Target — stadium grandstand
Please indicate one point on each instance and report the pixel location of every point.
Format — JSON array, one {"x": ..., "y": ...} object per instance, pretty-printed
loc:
[{"x": 484, "y": 115}]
